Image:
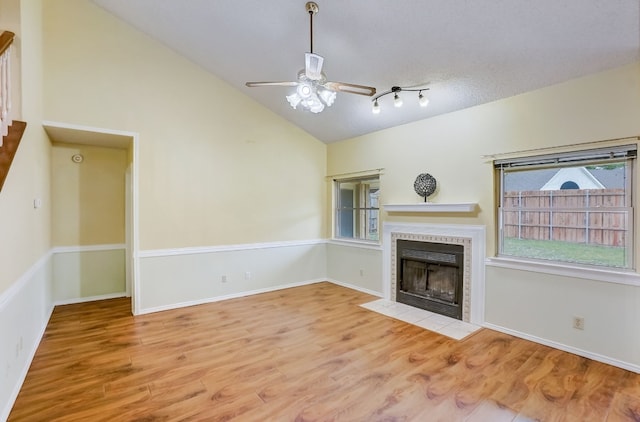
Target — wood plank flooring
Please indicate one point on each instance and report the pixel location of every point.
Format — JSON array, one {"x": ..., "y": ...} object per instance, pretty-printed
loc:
[{"x": 303, "y": 354}]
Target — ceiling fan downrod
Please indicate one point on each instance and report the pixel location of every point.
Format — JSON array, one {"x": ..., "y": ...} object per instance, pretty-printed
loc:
[{"x": 312, "y": 8}]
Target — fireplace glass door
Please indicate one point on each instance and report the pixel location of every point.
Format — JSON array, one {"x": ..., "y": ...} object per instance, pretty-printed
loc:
[
  {"x": 430, "y": 276},
  {"x": 434, "y": 281}
]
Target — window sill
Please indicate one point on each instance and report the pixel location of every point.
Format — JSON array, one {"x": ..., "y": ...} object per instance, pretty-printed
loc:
[
  {"x": 364, "y": 244},
  {"x": 629, "y": 277}
]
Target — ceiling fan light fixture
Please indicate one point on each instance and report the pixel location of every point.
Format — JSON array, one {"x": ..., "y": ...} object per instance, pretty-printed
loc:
[
  {"x": 294, "y": 99},
  {"x": 397, "y": 101},
  {"x": 328, "y": 97},
  {"x": 311, "y": 96},
  {"x": 313, "y": 104},
  {"x": 304, "y": 90}
]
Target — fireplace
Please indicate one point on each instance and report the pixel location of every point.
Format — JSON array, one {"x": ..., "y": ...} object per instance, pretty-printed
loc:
[
  {"x": 430, "y": 276},
  {"x": 469, "y": 239}
]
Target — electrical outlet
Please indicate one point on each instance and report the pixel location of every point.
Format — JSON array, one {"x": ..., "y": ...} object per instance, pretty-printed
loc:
[
  {"x": 247, "y": 275},
  {"x": 361, "y": 272},
  {"x": 578, "y": 323},
  {"x": 224, "y": 278}
]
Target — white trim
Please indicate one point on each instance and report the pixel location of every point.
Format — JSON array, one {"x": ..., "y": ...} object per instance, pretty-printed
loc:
[
  {"x": 225, "y": 297},
  {"x": 88, "y": 248},
  {"x": 566, "y": 348},
  {"x": 135, "y": 247},
  {"x": 476, "y": 233},
  {"x": 354, "y": 287},
  {"x": 11, "y": 400},
  {"x": 14, "y": 289},
  {"x": 226, "y": 248},
  {"x": 431, "y": 207},
  {"x": 87, "y": 128},
  {"x": 90, "y": 298},
  {"x": 355, "y": 244},
  {"x": 567, "y": 270}
]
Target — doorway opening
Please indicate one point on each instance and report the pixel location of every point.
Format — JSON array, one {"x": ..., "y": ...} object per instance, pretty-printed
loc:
[{"x": 94, "y": 197}]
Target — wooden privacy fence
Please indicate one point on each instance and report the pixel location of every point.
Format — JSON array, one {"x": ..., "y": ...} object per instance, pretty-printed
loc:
[{"x": 591, "y": 216}]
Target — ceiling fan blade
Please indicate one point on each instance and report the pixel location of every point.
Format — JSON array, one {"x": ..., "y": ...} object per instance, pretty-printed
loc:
[
  {"x": 350, "y": 88},
  {"x": 253, "y": 84},
  {"x": 313, "y": 66}
]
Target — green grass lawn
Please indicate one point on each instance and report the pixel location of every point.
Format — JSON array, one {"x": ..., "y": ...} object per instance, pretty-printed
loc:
[{"x": 609, "y": 256}]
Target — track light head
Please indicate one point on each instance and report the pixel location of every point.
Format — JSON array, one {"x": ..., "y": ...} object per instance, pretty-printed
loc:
[
  {"x": 397, "y": 101},
  {"x": 376, "y": 107},
  {"x": 422, "y": 100}
]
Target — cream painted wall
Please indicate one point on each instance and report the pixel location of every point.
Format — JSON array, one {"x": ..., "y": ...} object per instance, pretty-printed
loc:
[
  {"x": 88, "y": 274},
  {"x": 215, "y": 167},
  {"x": 88, "y": 209},
  {"x": 25, "y": 278},
  {"x": 189, "y": 278},
  {"x": 451, "y": 147},
  {"x": 24, "y": 230},
  {"x": 355, "y": 266},
  {"x": 88, "y": 198},
  {"x": 530, "y": 303}
]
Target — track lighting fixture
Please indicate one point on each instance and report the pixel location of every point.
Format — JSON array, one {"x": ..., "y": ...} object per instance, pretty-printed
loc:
[{"x": 397, "y": 100}]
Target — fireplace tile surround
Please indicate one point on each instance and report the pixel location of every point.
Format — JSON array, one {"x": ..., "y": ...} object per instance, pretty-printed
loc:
[{"x": 471, "y": 237}]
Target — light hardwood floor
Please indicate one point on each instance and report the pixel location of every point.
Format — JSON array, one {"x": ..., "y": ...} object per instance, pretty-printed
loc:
[{"x": 303, "y": 354}]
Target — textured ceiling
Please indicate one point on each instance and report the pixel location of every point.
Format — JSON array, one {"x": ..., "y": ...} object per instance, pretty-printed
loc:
[{"x": 469, "y": 52}]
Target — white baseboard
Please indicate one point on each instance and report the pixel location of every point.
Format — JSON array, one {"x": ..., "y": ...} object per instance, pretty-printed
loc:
[
  {"x": 25, "y": 369},
  {"x": 225, "y": 297},
  {"x": 90, "y": 298},
  {"x": 594, "y": 356},
  {"x": 354, "y": 287}
]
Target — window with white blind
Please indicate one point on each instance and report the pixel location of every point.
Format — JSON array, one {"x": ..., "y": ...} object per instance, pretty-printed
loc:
[{"x": 574, "y": 207}]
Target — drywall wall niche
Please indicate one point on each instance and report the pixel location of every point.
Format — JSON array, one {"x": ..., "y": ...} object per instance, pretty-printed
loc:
[{"x": 94, "y": 211}]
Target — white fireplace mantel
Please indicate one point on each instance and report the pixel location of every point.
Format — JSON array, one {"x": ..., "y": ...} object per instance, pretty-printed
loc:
[
  {"x": 477, "y": 236},
  {"x": 431, "y": 207}
]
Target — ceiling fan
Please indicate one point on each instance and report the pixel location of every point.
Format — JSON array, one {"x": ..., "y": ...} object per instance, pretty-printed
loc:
[{"x": 313, "y": 91}]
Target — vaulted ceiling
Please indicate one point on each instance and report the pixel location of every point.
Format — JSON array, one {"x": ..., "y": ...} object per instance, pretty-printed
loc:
[{"x": 468, "y": 52}]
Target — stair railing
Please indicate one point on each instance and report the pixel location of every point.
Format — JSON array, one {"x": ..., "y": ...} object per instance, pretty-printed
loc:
[{"x": 6, "y": 40}]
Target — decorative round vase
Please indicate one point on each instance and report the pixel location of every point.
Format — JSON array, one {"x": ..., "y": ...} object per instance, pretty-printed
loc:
[{"x": 425, "y": 185}]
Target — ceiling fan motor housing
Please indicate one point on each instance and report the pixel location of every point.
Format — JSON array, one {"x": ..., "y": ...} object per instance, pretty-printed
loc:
[{"x": 313, "y": 66}]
